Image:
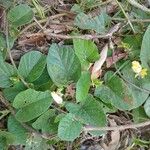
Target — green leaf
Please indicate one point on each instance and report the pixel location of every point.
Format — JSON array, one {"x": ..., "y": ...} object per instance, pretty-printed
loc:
[
  {"x": 44, "y": 82},
  {"x": 11, "y": 92},
  {"x": 32, "y": 65},
  {"x": 63, "y": 65},
  {"x": 122, "y": 95},
  {"x": 36, "y": 143},
  {"x": 145, "y": 54},
  {"x": 45, "y": 122},
  {"x": 31, "y": 104},
  {"x": 139, "y": 115},
  {"x": 6, "y": 3},
  {"x": 90, "y": 112},
  {"x": 69, "y": 128},
  {"x": 147, "y": 107},
  {"x": 98, "y": 23},
  {"x": 104, "y": 93},
  {"x": 86, "y": 51},
  {"x": 132, "y": 44},
  {"x": 20, "y": 133},
  {"x": 6, "y": 71},
  {"x": 76, "y": 8},
  {"x": 20, "y": 15},
  {"x": 6, "y": 139},
  {"x": 83, "y": 86}
]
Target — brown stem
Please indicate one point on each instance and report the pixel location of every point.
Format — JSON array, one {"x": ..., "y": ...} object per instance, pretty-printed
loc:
[{"x": 117, "y": 128}]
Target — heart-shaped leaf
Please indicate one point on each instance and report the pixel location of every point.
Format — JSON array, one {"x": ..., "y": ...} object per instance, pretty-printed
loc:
[
  {"x": 32, "y": 65},
  {"x": 86, "y": 51},
  {"x": 69, "y": 128},
  {"x": 45, "y": 122},
  {"x": 31, "y": 104},
  {"x": 90, "y": 112},
  {"x": 122, "y": 95},
  {"x": 20, "y": 15},
  {"x": 98, "y": 23},
  {"x": 63, "y": 65}
]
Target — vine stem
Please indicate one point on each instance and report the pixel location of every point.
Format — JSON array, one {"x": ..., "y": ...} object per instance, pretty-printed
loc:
[
  {"x": 132, "y": 20},
  {"x": 42, "y": 21},
  {"x": 9, "y": 53},
  {"x": 137, "y": 5},
  {"x": 117, "y": 128},
  {"x": 125, "y": 15},
  {"x": 86, "y": 36},
  {"x": 30, "y": 129}
]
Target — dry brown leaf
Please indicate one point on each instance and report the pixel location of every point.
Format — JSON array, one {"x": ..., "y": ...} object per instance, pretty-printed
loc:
[
  {"x": 33, "y": 39},
  {"x": 113, "y": 59},
  {"x": 96, "y": 70},
  {"x": 115, "y": 138}
]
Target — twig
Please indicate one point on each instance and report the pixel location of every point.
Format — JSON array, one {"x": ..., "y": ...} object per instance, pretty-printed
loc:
[
  {"x": 137, "y": 5},
  {"x": 86, "y": 36},
  {"x": 39, "y": 24},
  {"x": 125, "y": 15},
  {"x": 132, "y": 20},
  {"x": 117, "y": 128},
  {"x": 42, "y": 21},
  {"x": 58, "y": 109},
  {"x": 10, "y": 56},
  {"x": 4, "y": 113}
]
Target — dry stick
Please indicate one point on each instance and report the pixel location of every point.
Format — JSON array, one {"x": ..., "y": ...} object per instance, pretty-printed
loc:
[
  {"x": 86, "y": 36},
  {"x": 125, "y": 15},
  {"x": 117, "y": 128},
  {"x": 42, "y": 21},
  {"x": 137, "y": 5},
  {"x": 132, "y": 20}
]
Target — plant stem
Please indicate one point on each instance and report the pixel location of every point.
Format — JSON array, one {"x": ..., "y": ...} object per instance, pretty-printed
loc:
[
  {"x": 125, "y": 15},
  {"x": 137, "y": 5},
  {"x": 117, "y": 128},
  {"x": 10, "y": 56},
  {"x": 132, "y": 20}
]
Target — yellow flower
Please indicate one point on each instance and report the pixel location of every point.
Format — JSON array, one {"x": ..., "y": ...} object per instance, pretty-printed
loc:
[
  {"x": 137, "y": 68},
  {"x": 143, "y": 73}
]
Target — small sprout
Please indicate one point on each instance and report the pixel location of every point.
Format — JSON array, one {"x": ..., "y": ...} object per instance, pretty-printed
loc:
[
  {"x": 125, "y": 46},
  {"x": 14, "y": 80},
  {"x": 97, "y": 82},
  {"x": 137, "y": 68}
]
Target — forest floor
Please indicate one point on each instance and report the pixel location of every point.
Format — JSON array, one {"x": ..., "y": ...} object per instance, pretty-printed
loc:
[{"x": 116, "y": 28}]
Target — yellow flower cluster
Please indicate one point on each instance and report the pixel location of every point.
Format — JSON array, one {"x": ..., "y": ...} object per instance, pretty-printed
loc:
[{"x": 137, "y": 68}]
